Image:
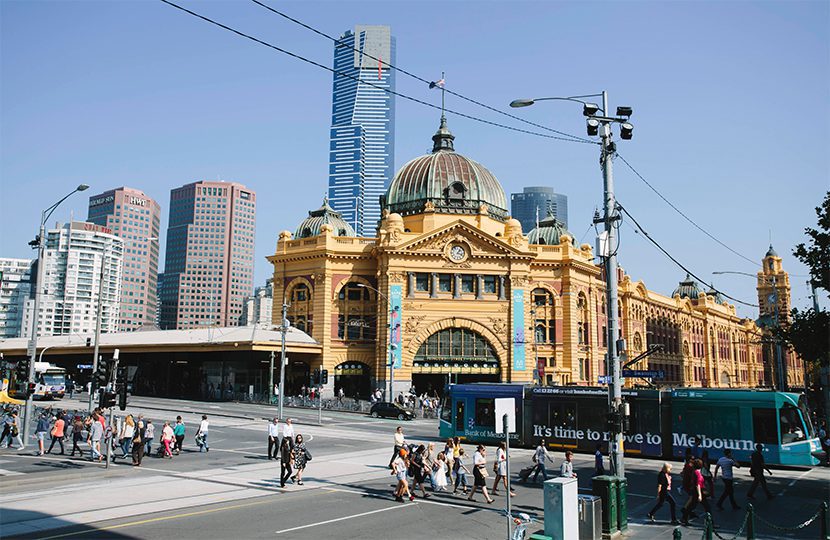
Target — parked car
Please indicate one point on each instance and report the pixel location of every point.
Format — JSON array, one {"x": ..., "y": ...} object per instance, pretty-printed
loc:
[{"x": 390, "y": 410}]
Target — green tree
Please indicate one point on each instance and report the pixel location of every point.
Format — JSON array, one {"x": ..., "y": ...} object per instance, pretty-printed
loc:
[{"x": 816, "y": 253}]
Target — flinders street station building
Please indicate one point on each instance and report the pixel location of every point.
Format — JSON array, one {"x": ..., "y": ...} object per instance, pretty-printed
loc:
[{"x": 451, "y": 289}]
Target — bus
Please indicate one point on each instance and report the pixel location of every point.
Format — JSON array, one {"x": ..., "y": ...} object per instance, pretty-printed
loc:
[
  {"x": 661, "y": 423},
  {"x": 50, "y": 381}
]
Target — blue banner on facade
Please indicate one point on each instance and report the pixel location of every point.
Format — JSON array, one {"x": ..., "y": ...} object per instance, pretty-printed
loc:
[
  {"x": 395, "y": 299},
  {"x": 518, "y": 329}
]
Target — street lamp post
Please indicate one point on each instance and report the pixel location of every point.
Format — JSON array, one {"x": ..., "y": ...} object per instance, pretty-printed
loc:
[
  {"x": 389, "y": 345},
  {"x": 779, "y": 362},
  {"x": 601, "y": 125},
  {"x": 283, "y": 330},
  {"x": 40, "y": 244}
]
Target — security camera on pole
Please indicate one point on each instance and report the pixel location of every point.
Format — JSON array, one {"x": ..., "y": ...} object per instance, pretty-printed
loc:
[{"x": 607, "y": 250}]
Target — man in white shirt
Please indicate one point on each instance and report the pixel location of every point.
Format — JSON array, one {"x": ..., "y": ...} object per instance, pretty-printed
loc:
[
  {"x": 274, "y": 439},
  {"x": 288, "y": 430},
  {"x": 539, "y": 457},
  {"x": 202, "y": 433},
  {"x": 726, "y": 463}
]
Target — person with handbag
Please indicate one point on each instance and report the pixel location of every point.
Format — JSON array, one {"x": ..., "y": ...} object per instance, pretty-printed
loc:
[
  {"x": 138, "y": 442},
  {"x": 500, "y": 469},
  {"x": 301, "y": 457},
  {"x": 14, "y": 432},
  {"x": 480, "y": 474},
  {"x": 698, "y": 495},
  {"x": 419, "y": 470},
  {"x": 77, "y": 435}
]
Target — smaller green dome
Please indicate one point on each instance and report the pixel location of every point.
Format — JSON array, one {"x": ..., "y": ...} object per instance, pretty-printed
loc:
[
  {"x": 548, "y": 231},
  {"x": 687, "y": 288},
  {"x": 313, "y": 224},
  {"x": 714, "y": 293}
]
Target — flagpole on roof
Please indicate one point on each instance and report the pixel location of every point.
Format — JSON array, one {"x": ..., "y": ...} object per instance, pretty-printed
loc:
[{"x": 442, "y": 96}]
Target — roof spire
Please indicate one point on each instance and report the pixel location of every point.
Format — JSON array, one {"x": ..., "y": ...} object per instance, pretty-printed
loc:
[{"x": 442, "y": 140}]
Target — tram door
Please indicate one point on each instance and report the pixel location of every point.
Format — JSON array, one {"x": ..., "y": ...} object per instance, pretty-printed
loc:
[{"x": 459, "y": 416}]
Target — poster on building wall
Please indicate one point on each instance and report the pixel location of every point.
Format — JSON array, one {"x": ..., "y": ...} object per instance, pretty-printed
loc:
[
  {"x": 518, "y": 330},
  {"x": 395, "y": 299}
]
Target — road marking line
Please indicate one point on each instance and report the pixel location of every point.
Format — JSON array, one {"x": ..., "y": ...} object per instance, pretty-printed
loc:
[
  {"x": 5, "y": 472},
  {"x": 396, "y": 507},
  {"x": 154, "y": 520},
  {"x": 802, "y": 475}
]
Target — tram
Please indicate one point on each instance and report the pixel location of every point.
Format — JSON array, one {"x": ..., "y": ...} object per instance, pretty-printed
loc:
[{"x": 661, "y": 423}]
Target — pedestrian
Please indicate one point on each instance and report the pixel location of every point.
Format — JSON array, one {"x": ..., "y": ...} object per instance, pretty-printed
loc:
[
  {"x": 167, "y": 440},
  {"x": 340, "y": 395},
  {"x": 429, "y": 461},
  {"x": 77, "y": 435},
  {"x": 138, "y": 442},
  {"x": 599, "y": 468},
  {"x": 756, "y": 470},
  {"x": 461, "y": 472},
  {"x": 7, "y": 426},
  {"x": 399, "y": 468},
  {"x": 127, "y": 435},
  {"x": 566, "y": 470},
  {"x": 726, "y": 464},
  {"x": 706, "y": 471},
  {"x": 420, "y": 471},
  {"x": 288, "y": 431},
  {"x": 41, "y": 430},
  {"x": 178, "y": 432},
  {"x": 14, "y": 432},
  {"x": 57, "y": 433},
  {"x": 439, "y": 473},
  {"x": 96, "y": 433},
  {"x": 149, "y": 436},
  {"x": 664, "y": 494},
  {"x": 400, "y": 441},
  {"x": 273, "y": 438},
  {"x": 301, "y": 456},
  {"x": 539, "y": 458},
  {"x": 449, "y": 452},
  {"x": 698, "y": 494},
  {"x": 500, "y": 469},
  {"x": 480, "y": 474},
  {"x": 286, "y": 448},
  {"x": 202, "y": 434}
]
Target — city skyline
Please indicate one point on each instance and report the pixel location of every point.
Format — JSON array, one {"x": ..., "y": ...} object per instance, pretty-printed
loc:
[{"x": 749, "y": 187}]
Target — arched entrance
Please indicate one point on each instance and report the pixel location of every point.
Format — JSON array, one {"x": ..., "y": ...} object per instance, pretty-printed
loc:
[
  {"x": 457, "y": 355},
  {"x": 353, "y": 378}
]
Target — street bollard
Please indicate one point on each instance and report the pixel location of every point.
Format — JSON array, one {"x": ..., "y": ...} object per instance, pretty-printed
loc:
[
  {"x": 750, "y": 522},
  {"x": 825, "y": 522},
  {"x": 708, "y": 527},
  {"x": 677, "y": 534}
]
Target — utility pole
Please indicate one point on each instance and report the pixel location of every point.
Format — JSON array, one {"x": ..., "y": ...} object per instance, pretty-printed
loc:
[
  {"x": 608, "y": 149},
  {"x": 271, "y": 379},
  {"x": 283, "y": 331},
  {"x": 41, "y": 247},
  {"x": 98, "y": 317},
  {"x": 779, "y": 363}
]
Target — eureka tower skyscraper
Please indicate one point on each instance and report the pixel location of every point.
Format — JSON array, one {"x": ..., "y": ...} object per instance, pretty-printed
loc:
[{"x": 362, "y": 146}]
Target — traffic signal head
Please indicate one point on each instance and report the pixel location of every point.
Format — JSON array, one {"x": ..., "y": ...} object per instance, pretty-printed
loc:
[
  {"x": 102, "y": 375},
  {"x": 107, "y": 399},
  {"x": 89, "y": 342},
  {"x": 325, "y": 377}
]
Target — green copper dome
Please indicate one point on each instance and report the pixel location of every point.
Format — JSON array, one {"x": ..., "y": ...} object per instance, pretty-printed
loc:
[
  {"x": 445, "y": 182},
  {"x": 687, "y": 288},
  {"x": 715, "y": 294},
  {"x": 312, "y": 225},
  {"x": 548, "y": 231}
]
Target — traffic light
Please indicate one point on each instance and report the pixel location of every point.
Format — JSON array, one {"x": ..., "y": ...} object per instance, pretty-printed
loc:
[
  {"x": 89, "y": 342},
  {"x": 315, "y": 378},
  {"x": 102, "y": 375},
  {"x": 22, "y": 369},
  {"x": 107, "y": 399},
  {"x": 325, "y": 377},
  {"x": 121, "y": 387}
]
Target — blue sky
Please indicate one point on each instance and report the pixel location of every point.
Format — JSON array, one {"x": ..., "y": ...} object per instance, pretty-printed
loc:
[{"x": 731, "y": 111}]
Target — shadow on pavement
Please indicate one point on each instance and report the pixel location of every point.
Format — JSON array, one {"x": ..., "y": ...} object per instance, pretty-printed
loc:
[{"x": 29, "y": 524}]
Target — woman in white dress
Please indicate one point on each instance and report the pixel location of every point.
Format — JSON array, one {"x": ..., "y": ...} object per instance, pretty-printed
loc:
[
  {"x": 500, "y": 468},
  {"x": 439, "y": 473}
]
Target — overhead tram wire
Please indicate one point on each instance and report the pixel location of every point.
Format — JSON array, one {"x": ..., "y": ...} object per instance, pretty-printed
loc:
[
  {"x": 356, "y": 79},
  {"x": 419, "y": 78},
  {"x": 687, "y": 218},
  {"x": 678, "y": 263}
]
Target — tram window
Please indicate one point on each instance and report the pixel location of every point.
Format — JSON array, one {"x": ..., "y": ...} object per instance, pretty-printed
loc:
[
  {"x": 592, "y": 416},
  {"x": 446, "y": 409},
  {"x": 792, "y": 429},
  {"x": 485, "y": 412},
  {"x": 645, "y": 417},
  {"x": 459, "y": 416},
  {"x": 725, "y": 422},
  {"x": 563, "y": 415},
  {"x": 764, "y": 428}
]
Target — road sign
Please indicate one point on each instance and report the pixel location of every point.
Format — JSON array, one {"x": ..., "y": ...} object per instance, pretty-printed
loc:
[
  {"x": 644, "y": 374},
  {"x": 506, "y": 406},
  {"x": 85, "y": 366},
  {"x": 604, "y": 379}
]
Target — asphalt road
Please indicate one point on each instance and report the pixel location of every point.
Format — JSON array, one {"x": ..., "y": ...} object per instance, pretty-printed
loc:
[{"x": 232, "y": 492}]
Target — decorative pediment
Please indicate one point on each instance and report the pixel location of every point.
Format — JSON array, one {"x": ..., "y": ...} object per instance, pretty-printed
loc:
[{"x": 474, "y": 241}]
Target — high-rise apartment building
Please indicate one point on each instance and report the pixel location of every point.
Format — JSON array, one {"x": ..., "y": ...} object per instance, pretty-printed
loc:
[
  {"x": 362, "y": 146},
  {"x": 258, "y": 309},
  {"x": 15, "y": 287},
  {"x": 82, "y": 262},
  {"x": 538, "y": 201},
  {"x": 134, "y": 217},
  {"x": 208, "y": 266}
]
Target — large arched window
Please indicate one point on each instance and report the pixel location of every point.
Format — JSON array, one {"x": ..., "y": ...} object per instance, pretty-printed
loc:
[
  {"x": 357, "y": 313},
  {"x": 456, "y": 345},
  {"x": 582, "y": 325},
  {"x": 542, "y": 312},
  {"x": 300, "y": 308}
]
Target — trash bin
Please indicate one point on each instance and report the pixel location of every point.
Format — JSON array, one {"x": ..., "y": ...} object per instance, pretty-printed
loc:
[
  {"x": 605, "y": 487},
  {"x": 590, "y": 517},
  {"x": 622, "y": 503}
]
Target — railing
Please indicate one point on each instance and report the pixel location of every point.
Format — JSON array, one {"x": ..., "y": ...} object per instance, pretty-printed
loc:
[{"x": 749, "y": 526}]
